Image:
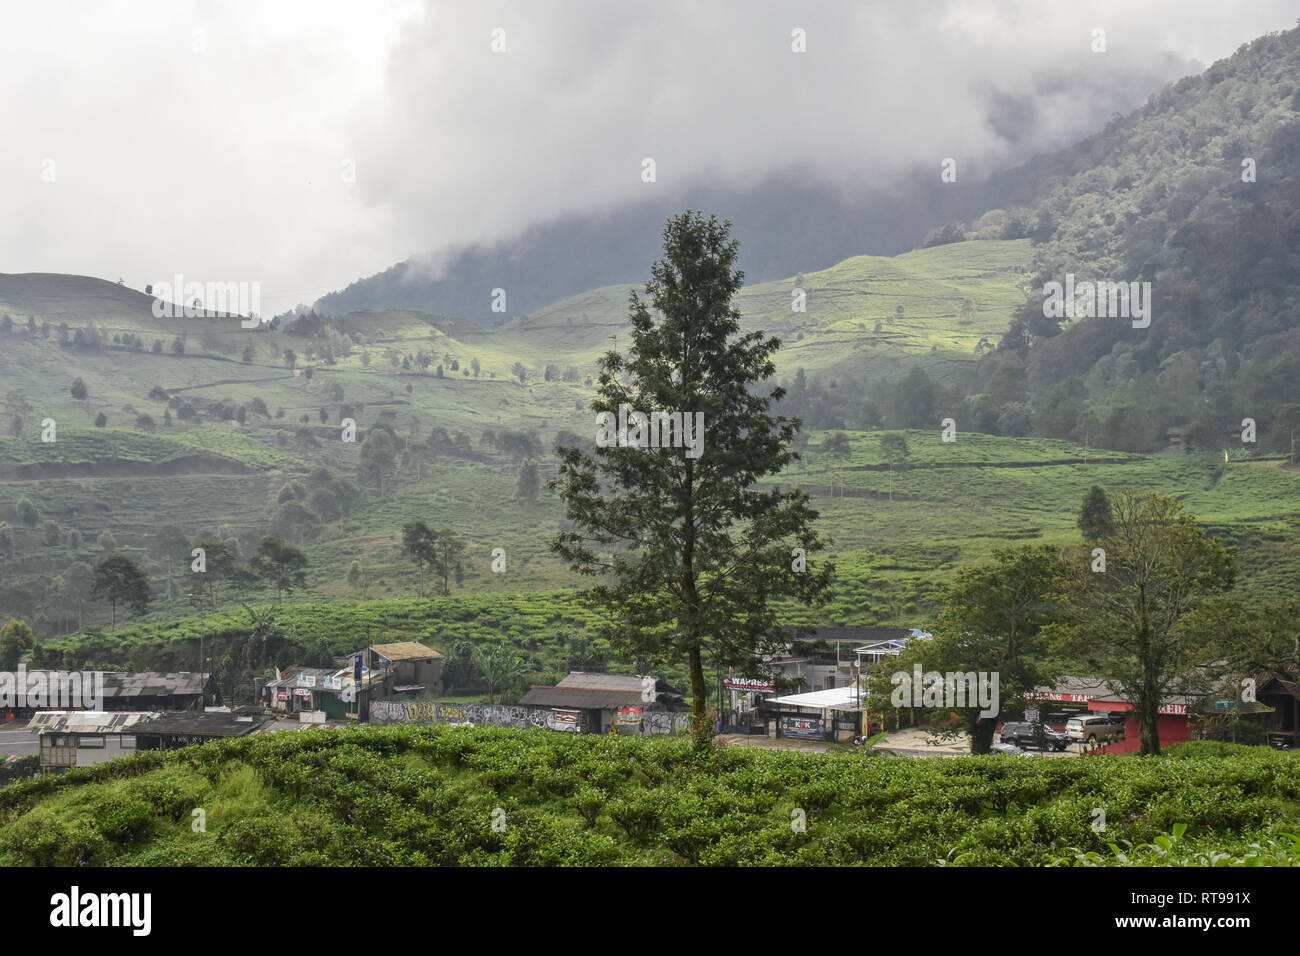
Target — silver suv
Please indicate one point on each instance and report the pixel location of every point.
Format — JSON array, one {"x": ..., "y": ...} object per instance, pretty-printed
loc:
[{"x": 1095, "y": 727}]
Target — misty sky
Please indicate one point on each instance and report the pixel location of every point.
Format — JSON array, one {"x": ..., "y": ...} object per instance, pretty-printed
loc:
[{"x": 212, "y": 139}]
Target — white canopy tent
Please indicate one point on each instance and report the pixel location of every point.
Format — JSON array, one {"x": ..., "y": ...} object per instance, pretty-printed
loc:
[{"x": 839, "y": 698}]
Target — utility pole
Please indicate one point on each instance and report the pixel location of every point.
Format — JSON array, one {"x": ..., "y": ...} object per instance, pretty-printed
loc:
[{"x": 197, "y": 598}]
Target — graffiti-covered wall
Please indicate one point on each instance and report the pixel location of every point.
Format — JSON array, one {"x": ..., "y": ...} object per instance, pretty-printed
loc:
[
  {"x": 663, "y": 722},
  {"x": 508, "y": 715},
  {"x": 497, "y": 715}
]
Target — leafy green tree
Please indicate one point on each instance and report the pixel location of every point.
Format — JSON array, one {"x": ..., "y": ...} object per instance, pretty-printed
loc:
[
  {"x": 1139, "y": 621},
  {"x": 294, "y": 522},
  {"x": 529, "y": 482},
  {"x": 692, "y": 554},
  {"x": 894, "y": 447},
  {"x": 1095, "y": 517},
  {"x": 219, "y": 564},
  {"x": 357, "y": 577},
  {"x": 171, "y": 549},
  {"x": 992, "y": 622},
  {"x": 79, "y": 390},
  {"x": 119, "y": 580},
  {"x": 915, "y": 400},
  {"x": 27, "y": 512},
  {"x": 1251, "y": 638},
  {"x": 447, "y": 551},
  {"x": 16, "y": 639},
  {"x": 500, "y": 667},
  {"x": 279, "y": 565},
  {"x": 838, "y": 445},
  {"x": 378, "y": 458},
  {"x": 418, "y": 542},
  {"x": 325, "y": 503},
  {"x": 264, "y": 640}
]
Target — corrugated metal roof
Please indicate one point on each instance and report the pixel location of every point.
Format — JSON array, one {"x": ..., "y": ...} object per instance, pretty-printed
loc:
[
  {"x": 152, "y": 684},
  {"x": 207, "y": 724},
  {"x": 628, "y": 682},
  {"x": 583, "y": 698},
  {"x": 289, "y": 676},
  {"x": 87, "y": 721},
  {"x": 405, "y": 651},
  {"x": 1289, "y": 686},
  {"x": 143, "y": 683}
]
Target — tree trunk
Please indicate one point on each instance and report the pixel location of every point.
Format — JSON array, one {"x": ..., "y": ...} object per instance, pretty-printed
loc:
[
  {"x": 1148, "y": 721},
  {"x": 1148, "y": 704},
  {"x": 699, "y": 697},
  {"x": 981, "y": 737}
]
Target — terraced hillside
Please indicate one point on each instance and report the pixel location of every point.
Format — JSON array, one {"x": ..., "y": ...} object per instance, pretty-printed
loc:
[
  {"x": 204, "y": 432},
  {"x": 936, "y": 304}
]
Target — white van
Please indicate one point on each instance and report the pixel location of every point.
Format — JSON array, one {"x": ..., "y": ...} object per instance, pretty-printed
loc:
[{"x": 1094, "y": 727}]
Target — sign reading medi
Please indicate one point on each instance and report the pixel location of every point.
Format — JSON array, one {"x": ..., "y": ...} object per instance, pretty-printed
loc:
[{"x": 732, "y": 682}]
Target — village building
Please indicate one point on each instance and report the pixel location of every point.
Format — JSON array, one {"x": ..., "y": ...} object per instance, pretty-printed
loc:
[
  {"x": 64, "y": 733},
  {"x": 843, "y": 653},
  {"x": 295, "y": 689},
  {"x": 1279, "y": 711},
  {"x": 403, "y": 670},
  {"x": 1175, "y": 720},
  {"x": 834, "y": 714},
  {"x": 122, "y": 691},
  {"x": 597, "y": 703},
  {"x": 406, "y": 667}
]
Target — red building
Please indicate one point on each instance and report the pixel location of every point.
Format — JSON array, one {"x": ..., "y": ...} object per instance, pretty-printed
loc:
[{"x": 1174, "y": 725}]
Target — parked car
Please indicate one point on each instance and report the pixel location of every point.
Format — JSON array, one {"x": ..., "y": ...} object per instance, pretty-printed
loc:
[
  {"x": 1024, "y": 734},
  {"x": 1058, "y": 719},
  {"x": 1010, "y": 750},
  {"x": 1095, "y": 727}
]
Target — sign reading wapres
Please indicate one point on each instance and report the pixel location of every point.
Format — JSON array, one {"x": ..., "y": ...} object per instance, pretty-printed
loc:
[
  {"x": 102, "y": 909},
  {"x": 64, "y": 690}
]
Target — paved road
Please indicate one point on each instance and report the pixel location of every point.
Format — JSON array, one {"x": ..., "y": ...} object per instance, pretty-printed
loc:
[{"x": 910, "y": 742}]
